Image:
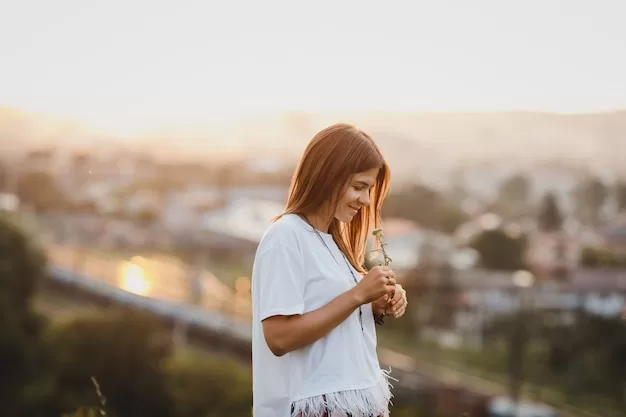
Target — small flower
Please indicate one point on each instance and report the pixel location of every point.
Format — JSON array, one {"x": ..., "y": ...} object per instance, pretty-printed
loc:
[{"x": 379, "y": 235}]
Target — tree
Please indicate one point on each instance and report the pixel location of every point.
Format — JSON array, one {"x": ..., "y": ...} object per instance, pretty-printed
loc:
[
  {"x": 123, "y": 351},
  {"x": 620, "y": 195},
  {"x": 425, "y": 206},
  {"x": 22, "y": 267},
  {"x": 602, "y": 258},
  {"x": 550, "y": 217},
  {"x": 445, "y": 297},
  {"x": 513, "y": 196},
  {"x": 147, "y": 216},
  {"x": 4, "y": 176},
  {"x": 499, "y": 251},
  {"x": 590, "y": 196},
  {"x": 516, "y": 188},
  {"x": 589, "y": 358},
  {"x": 585, "y": 361},
  {"x": 41, "y": 192}
]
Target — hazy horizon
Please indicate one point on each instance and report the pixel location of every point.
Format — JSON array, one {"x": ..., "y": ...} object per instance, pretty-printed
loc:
[{"x": 122, "y": 68}]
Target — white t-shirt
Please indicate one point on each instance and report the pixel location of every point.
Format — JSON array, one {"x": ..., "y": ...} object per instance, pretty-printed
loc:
[{"x": 295, "y": 273}]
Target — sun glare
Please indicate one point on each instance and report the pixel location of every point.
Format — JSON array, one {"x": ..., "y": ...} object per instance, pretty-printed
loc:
[{"x": 133, "y": 279}]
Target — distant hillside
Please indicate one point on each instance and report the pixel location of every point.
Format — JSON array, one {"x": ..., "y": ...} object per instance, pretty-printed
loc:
[
  {"x": 410, "y": 140},
  {"x": 429, "y": 140}
]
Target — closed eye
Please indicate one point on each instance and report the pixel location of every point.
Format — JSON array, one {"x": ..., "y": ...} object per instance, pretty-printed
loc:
[{"x": 360, "y": 186}]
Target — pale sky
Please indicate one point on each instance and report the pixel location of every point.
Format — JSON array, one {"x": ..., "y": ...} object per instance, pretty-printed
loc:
[{"x": 135, "y": 63}]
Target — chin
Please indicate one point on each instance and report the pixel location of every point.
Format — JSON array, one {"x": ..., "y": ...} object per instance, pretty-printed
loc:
[{"x": 345, "y": 218}]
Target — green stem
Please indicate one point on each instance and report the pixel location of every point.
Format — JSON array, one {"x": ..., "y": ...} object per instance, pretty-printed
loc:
[{"x": 378, "y": 234}]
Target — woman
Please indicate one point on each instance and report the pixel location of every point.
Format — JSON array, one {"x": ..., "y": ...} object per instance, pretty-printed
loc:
[{"x": 314, "y": 305}]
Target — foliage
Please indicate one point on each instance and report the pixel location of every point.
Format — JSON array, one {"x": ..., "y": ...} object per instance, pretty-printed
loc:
[
  {"x": 41, "y": 192},
  {"x": 22, "y": 267},
  {"x": 425, "y": 206},
  {"x": 516, "y": 188},
  {"x": 620, "y": 195},
  {"x": 438, "y": 301},
  {"x": 499, "y": 251},
  {"x": 123, "y": 351},
  {"x": 4, "y": 176},
  {"x": 590, "y": 195},
  {"x": 147, "y": 216},
  {"x": 550, "y": 217},
  {"x": 203, "y": 386},
  {"x": 130, "y": 357},
  {"x": 590, "y": 359},
  {"x": 585, "y": 361},
  {"x": 512, "y": 201},
  {"x": 597, "y": 257}
]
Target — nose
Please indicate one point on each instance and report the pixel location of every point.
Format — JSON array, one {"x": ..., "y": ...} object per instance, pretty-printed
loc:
[{"x": 364, "y": 198}]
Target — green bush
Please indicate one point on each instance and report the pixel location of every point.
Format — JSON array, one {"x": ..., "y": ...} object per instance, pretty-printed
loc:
[
  {"x": 203, "y": 386},
  {"x": 130, "y": 356},
  {"x": 22, "y": 267},
  {"x": 602, "y": 258},
  {"x": 123, "y": 351}
]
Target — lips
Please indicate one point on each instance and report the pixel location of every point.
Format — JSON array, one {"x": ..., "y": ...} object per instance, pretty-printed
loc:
[{"x": 356, "y": 209}]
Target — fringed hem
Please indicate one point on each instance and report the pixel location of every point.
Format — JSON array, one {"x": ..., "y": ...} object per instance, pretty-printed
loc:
[{"x": 367, "y": 402}]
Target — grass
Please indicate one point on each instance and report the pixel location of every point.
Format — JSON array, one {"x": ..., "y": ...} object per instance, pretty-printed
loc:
[{"x": 99, "y": 410}]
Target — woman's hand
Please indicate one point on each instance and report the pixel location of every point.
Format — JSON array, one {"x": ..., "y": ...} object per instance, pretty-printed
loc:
[
  {"x": 396, "y": 307},
  {"x": 379, "y": 282}
]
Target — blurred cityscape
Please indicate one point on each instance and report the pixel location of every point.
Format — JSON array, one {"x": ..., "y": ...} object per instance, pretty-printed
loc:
[
  {"x": 516, "y": 268},
  {"x": 145, "y": 146}
]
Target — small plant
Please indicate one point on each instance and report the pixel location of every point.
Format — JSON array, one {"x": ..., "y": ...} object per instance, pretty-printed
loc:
[
  {"x": 380, "y": 240},
  {"x": 378, "y": 234},
  {"x": 90, "y": 411},
  {"x": 103, "y": 401}
]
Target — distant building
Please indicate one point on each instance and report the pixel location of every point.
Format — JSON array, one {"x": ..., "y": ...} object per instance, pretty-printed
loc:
[
  {"x": 198, "y": 206},
  {"x": 488, "y": 294},
  {"x": 614, "y": 237},
  {"x": 243, "y": 219}
]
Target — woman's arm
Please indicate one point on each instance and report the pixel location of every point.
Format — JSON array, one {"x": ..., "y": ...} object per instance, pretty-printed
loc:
[{"x": 284, "y": 334}]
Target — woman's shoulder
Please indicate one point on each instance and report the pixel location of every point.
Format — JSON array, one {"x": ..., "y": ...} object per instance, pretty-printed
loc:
[{"x": 288, "y": 230}]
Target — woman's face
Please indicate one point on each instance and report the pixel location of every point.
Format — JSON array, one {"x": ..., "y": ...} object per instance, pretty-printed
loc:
[{"x": 356, "y": 195}]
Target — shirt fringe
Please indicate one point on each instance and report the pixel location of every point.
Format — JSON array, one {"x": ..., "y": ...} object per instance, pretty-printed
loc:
[{"x": 373, "y": 401}]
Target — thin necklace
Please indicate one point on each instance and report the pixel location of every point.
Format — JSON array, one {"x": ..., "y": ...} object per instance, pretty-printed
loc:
[{"x": 337, "y": 262}]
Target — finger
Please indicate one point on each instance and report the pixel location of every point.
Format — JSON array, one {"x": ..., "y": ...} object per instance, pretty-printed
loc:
[
  {"x": 400, "y": 305},
  {"x": 400, "y": 312},
  {"x": 397, "y": 296}
]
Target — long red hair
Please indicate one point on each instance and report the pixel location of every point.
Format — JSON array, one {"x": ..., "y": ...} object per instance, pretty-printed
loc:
[{"x": 330, "y": 159}]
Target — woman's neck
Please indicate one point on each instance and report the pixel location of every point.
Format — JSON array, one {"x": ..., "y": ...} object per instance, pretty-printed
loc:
[{"x": 319, "y": 221}]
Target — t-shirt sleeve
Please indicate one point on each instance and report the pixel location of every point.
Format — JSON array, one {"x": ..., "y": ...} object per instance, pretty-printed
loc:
[{"x": 280, "y": 283}]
